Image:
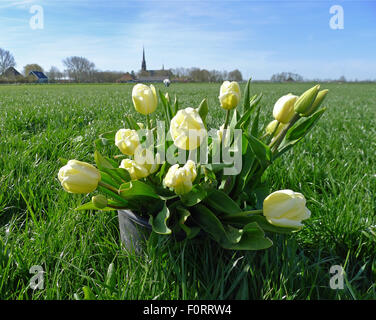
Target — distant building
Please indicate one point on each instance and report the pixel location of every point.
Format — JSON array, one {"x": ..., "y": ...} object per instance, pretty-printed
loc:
[
  {"x": 11, "y": 74},
  {"x": 152, "y": 75},
  {"x": 38, "y": 76},
  {"x": 127, "y": 77}
]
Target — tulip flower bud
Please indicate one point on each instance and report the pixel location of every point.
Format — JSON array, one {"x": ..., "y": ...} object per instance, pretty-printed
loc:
[
  {"x": 167, "y": 97},
  {"x": 141, "y": 125},
  {"x": 316, "y": 104},
  {"x": 305, "y": 101},
  {"x": 136, "y": 171},
  {"x": 99, "y": 201},
  {"x": 127, "y": 141},
  {"x": 180, "y": 179},
  {"x": 286, "y": 208},
  {"x": 229, "y": 95},
  {"x": 220, "y": 132},
  {"x": 79, "y": 177},
  {"x": 187, "y": 129},
  {"x": 284, "y": 108},
  {"x": 144, "y": 98},
  {"x": 270, "y": 128}
]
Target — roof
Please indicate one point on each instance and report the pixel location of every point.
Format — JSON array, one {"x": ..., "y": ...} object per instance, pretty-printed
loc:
[
  {"x": 38, "y": 74},
  {"x": 126, "y": 77},
  {"x": 11, "y": 72}
]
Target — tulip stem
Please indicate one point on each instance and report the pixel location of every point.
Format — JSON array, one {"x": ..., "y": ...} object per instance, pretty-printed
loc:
[
  {"x": 116, "y": 207},
  {"x": 227, "y": 120},
  {"x": 109, "y": 187},
  {"x": 256, "y": 211},
  {"x": 147, "y": 122},
  {"x": 278, "y": 140}
]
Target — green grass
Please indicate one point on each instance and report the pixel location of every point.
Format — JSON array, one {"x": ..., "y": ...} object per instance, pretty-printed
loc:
[{"x": 335, "y": 168}]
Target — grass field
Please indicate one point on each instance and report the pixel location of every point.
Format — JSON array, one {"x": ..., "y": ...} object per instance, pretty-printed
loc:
[{"x": 335, "y": 168}]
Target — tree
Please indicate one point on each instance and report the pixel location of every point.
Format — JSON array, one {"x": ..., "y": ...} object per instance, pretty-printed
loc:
[
  {"x": 286, "y": 77},
  {"x": 6, "y": 60},
  {"x": 54, "y": 74},
  {"x": 31, "y": 67},
  {"x": 79, "y": 69},
  {"x": 235, "y": 75}
]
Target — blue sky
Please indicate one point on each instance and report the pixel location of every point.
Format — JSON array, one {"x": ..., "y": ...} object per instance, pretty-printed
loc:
[{"x": 257, "y": 37}]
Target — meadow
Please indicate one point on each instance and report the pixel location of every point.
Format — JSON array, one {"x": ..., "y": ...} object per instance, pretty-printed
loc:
[{"x": 334, "y": 167}]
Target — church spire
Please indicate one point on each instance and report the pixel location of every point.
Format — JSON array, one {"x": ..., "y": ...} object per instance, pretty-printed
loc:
[{"x": 143, "y": 65}]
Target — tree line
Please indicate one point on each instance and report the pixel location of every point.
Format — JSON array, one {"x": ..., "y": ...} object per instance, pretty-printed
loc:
[{"x": 80, "y": 69}]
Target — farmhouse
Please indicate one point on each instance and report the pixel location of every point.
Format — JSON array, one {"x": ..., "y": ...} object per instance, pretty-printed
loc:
[
  {"x": 127, "y": 77},
  {"x": 38, "y": 76},
  {"x": 12, "y": 74}
]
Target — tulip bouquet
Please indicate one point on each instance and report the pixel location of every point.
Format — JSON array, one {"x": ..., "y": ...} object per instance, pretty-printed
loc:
[{"x": 184, "y": 178}]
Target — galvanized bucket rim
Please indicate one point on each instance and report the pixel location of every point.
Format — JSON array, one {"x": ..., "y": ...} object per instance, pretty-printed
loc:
[{"x": 136, "y": 218}]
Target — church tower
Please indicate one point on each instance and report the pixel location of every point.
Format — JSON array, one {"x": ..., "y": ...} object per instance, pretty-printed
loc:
[{"x": 143, "y": 65}]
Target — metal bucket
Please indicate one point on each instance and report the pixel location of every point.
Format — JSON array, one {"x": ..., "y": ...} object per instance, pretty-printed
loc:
[{"x": 134, "y": 230}]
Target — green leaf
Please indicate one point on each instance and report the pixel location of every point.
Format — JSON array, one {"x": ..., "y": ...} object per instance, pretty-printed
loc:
[
  {"x": 175, "y": 107},
  {"x": 106, "y": 178},
  {"x": 251, "y": 237},
  {"x": 245, "y": 174},
  {"x": 246, "y": 217},
  {"x": 195, "y": 196},
  {"x": 183, "y": 215},
  {"x": 102, "y": 162},
  {"x": 137, "y": 189},
  {"x": 221, "y": 202},
  {"x": 299, "y": 130},
  {"x": 166, "y": 107},
  {"x": 217, "y": 167},
  {"x": 88, "y": 294},
  {"x": 244, "y": 121},
  {"x": 63, "y": 161},
  {"x": 110, "y": 278},
  {"x": 114, "y": 176},
  {"x": 132, "y": 124},
  {"x": 120, "y": 173},
  {"x": 90, "y": 206},
  {"x": 255, "y": 124},
  {"x": 247, "y": 91},
  {"x": 261, "y": 150},
  {"x": 203, "y": 110},
  {"x": 159, "y": 223},
  {"x": 114, "y": 195},
  {"x": 227, "y": 183},
  {"x": 110, "y": 135}
]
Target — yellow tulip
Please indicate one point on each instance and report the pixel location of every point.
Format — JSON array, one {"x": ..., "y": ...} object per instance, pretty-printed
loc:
[
  {"x": 146, "y": 158},
  {"x": 127, "y": 141},
  {"x": 316, "y": 104},
  {"x": 180, "y": 178},
  {"x": 284, "y": 108},
  {"x": 79, "y": 177},
  {"x": 136, "y": 171},
  {"x": 286, "y": 208},
  {"x": 187, "y": 129},
  {"x": 144, "y": 98},
  {"x": 229, "y": 95},
  {"x": 305, "y": 101},
  {"x": 270, "y": 128}
]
